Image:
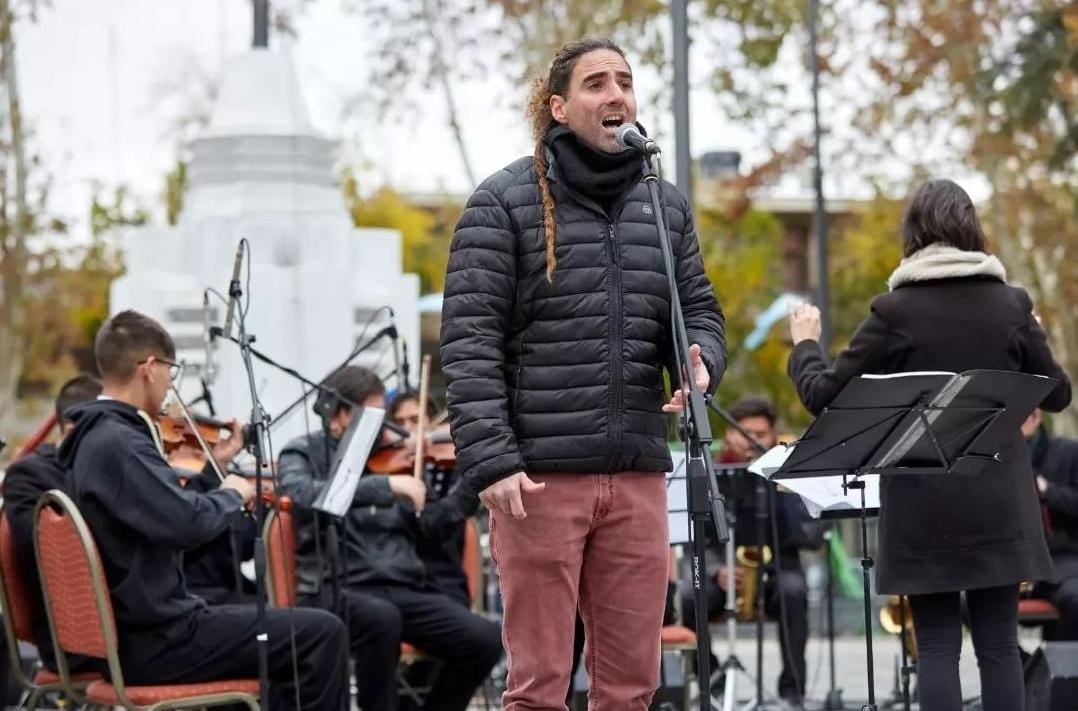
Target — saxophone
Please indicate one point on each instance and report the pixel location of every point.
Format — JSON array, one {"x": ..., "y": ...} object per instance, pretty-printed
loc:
[
  {"x": 749, "y": 560},
  {"x": 892, "y": 614}
]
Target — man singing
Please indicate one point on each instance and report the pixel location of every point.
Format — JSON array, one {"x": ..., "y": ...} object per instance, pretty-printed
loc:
[{"x": 555, "y": 334}]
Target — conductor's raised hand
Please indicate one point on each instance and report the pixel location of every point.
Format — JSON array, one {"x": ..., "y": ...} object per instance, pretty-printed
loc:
[
  {"x": 507, "y": 495},
  {"x": 805, "y": 323},
  {"x": 699, "y": 374}
]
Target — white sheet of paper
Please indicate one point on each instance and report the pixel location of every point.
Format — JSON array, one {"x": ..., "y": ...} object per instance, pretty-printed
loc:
[
  {"x": 826, "y": 493},
  {"x": 336, "y": 497},
  {"x": 677, "y": 504},
  {"x": 819, "y": 493},
  {"x": 772, "y": 460}
]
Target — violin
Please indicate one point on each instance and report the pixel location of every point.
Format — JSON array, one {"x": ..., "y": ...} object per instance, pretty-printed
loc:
[
  {"x": 412, "y": 454},
  {"x": 400, "y": 457},
  {"x": 180, "y": 435},
  {"x": 180, "y": 439}
]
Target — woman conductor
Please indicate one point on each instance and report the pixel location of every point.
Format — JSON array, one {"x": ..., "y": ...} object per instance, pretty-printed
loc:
[{"x": 949, "y": 308}]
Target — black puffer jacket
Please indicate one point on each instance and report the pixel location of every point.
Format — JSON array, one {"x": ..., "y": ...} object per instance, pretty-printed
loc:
[{"x": 566, "y": 377}]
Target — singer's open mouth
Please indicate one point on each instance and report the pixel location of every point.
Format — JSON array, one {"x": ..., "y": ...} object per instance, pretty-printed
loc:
[{"x": 613, "y": 120}]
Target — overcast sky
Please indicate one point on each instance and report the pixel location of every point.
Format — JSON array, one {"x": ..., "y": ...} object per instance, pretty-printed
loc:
[{"x": 88, "y": 72}]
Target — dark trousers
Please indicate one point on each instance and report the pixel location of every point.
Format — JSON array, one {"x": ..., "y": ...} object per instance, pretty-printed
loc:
[
  {"x": 467, "y": 645},
  {"x": 1063, "y": 595},
  {"x": 791, "y": 588},
  {"x": 374, "y": 638},
  {"x": 219, "y": 643},
  {"x": 993, "y": 622}
]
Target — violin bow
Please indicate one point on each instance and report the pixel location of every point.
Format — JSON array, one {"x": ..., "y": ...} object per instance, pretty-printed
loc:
[
  {"x": 421, "y": 427},
  {"x": 198, "y": 435}
]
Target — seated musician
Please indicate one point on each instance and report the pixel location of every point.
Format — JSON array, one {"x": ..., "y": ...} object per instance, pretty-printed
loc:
[
  {"x": 442, "y": 553},
  {"x": 1055, "y": 463},
  {"x": 757, "y": 417},
  {"x": 26, "y": 480},
  {"x": 142, "y": 520},
  {"x": 384, "y": 578}
]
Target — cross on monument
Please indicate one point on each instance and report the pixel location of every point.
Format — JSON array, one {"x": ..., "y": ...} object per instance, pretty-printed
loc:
[{"x": 261, "y": 23}]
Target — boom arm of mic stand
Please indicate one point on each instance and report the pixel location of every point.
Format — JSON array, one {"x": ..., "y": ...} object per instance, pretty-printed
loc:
[
  {"x": 387, "y": 332},
  {"x": 396, "y": 429},
  {"x": 759, "y": 448}
]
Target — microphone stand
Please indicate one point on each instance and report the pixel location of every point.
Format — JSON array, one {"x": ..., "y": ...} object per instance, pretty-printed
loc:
[
  {"x": 257, "y": 428},
  {"x": 694, "y": 430}
]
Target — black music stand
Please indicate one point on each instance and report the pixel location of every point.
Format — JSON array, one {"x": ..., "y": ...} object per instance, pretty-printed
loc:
[{"x": 912, "y": 423}]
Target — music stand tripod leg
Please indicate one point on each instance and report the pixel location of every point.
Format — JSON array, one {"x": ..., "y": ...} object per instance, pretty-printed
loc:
[
  {"x": 833, "y": 700},
  {"x": 866, "y": 567},
  {"x": 731, "y": 667}
]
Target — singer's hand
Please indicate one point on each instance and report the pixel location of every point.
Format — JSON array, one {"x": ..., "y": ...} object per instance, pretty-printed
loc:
[
  {"x": 805, "y": 323},
  {"x": 228, "y": 448},
  {"x": 408, "y": 487},
  {"x": 507, "y": 495},
  {"x": 699, "y": 374}
]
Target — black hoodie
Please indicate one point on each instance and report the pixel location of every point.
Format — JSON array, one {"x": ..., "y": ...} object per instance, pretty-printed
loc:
[{"x": 140, "y": 516}]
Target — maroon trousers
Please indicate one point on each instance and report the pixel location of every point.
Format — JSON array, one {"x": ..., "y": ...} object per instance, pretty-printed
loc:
[{"x": 597, "y": 542}]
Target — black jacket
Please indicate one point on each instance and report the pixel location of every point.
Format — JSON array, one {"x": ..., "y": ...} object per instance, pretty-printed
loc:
[
  {"x": 140, "y": 516},
  {"x": 379, "y": 533},
  {"x": 213, "y": 570},
  {"x": 941, "y": 533},
  {"x": 1056, "y": 459},
  {"x": 568, "y": 376},
  {"x": 24, "y": 483}
]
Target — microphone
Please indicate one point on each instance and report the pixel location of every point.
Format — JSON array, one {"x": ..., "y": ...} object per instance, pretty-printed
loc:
[
  {"x": 233, "y": 290},
  {"x": 401, "y": 387},
  {"x": 404, "y": 366},
  {"x": 629, "y": 137},
  {"x": 208, "y": 371}
]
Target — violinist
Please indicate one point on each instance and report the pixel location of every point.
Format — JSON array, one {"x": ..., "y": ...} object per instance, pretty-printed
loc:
[
  {"x": 383, "y": 576},
  {"x": 142, "y": 520},
  {"x": 441, "y": 553},
  {"x": 26, "y": 480}
]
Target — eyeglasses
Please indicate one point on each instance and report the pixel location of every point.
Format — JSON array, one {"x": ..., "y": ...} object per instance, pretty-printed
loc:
[{"x": 173, "y": 368}]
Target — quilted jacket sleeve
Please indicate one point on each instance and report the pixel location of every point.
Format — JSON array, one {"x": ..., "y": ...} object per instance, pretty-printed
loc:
[
  {"x": 480, "y": 290},
  {"x": 704, "y": 321}
]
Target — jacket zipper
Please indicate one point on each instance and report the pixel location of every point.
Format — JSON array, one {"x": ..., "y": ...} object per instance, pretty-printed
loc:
[
  {"x": 616, "y": 395},
  {"x": 520, "y": 377}
]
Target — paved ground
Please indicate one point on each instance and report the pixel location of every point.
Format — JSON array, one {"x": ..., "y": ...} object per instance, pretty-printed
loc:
[{"x": 850, "y": 669}]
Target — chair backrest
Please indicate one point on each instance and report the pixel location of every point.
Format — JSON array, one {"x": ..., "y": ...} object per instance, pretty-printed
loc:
[
  {"x": 14, "y": 600},
  {"x": 279, "y": 534},
  {"x": 73, "y": 581},
  {"x": 18, "y": 604},
  {"x": 472, "y": 562}
]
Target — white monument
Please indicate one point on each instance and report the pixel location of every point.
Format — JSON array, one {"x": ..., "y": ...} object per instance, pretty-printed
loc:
[{"x": 261, "y": 172}]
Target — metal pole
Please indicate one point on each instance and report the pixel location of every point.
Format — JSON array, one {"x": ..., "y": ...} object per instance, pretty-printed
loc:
[
  {"x": 261, "y": 24},
  {"x": 679, "y": 10},
  {"x": 823, "y": 294}
]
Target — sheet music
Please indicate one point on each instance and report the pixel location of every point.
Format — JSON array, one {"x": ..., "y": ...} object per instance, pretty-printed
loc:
[
  {"x": 822, "y": 493},
  {"x": 677, "y": 500},
  {"x": 336, "y": 497}
]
